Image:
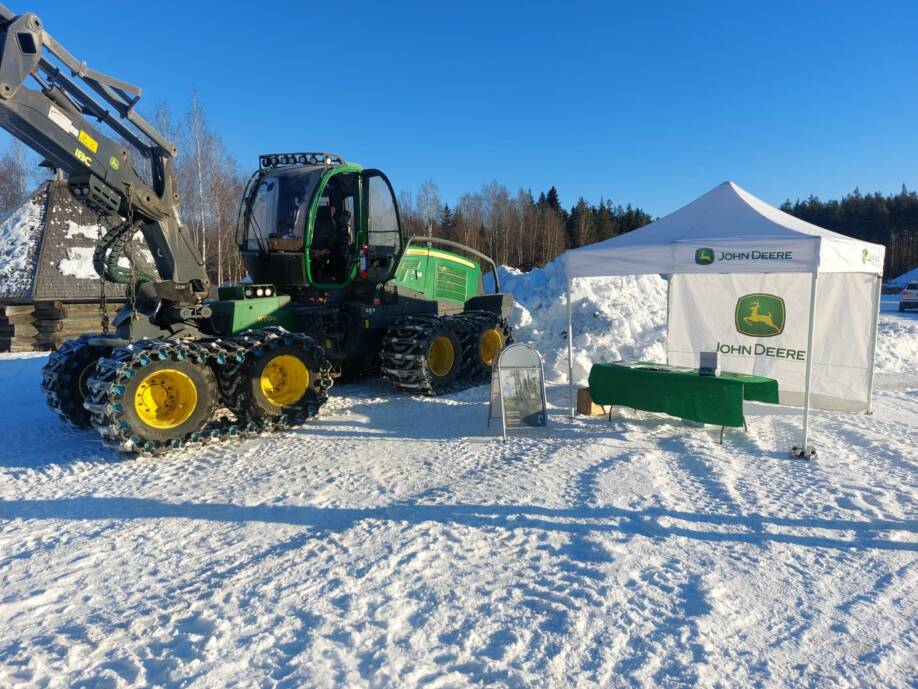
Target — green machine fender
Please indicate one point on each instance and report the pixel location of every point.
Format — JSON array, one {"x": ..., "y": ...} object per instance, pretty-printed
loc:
[{"x": 251, "y": 307}]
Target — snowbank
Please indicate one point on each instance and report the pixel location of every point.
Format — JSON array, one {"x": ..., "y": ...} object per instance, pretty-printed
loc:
[
  {"x": 897, "y": 345},
  {"x": 903, "y": 279},
  {"x": 19, "y": 235},
  {"x": 614, "y": 318}
]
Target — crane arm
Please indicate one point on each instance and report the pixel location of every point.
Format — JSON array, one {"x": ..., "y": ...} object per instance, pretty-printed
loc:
[{"x": 54, "y": 120}]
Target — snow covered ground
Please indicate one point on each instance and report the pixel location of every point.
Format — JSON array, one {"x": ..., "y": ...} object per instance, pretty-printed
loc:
[{"x": 394, "y": 543}]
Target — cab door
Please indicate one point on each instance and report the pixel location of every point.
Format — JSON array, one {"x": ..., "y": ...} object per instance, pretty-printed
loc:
[
  {"x": 382, "y": 234},
  {"x": 333, "y": 229}
]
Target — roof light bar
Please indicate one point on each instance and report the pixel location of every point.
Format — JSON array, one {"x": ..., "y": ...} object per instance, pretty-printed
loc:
[{"x": 269, "y": 160}]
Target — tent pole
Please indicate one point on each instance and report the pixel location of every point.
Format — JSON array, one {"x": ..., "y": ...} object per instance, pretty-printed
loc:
[
  {"x": 809, "y": 366},
  {"x": 669, "y": 292},
  {"x": 873, "y": 343},
  {"x": 570, "y": 350}
]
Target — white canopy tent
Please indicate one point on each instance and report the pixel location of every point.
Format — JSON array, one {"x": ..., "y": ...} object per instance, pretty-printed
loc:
[{"x": 744, "y": 279}]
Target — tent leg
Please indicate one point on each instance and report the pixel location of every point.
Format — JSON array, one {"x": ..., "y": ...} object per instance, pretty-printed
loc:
[
  {"x": 805, "y": 451},
  {"x": 570, "y": 350},
  {"x": 873, "y": 345}
]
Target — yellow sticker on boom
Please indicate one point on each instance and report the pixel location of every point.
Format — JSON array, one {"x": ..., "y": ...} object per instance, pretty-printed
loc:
[{"x": 88, "y": 142}]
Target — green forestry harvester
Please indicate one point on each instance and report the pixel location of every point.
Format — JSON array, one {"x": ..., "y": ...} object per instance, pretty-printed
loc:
[{"x": 335, "y": 287}]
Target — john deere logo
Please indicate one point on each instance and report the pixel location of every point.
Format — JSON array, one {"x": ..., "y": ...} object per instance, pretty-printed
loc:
[
  {"x": 704, "y": 257},
  {"x": 760, "y": 315}
]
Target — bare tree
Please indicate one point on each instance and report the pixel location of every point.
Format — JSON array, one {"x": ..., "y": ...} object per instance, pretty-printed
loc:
[
  {"x": 18, "y": 172},
  {"x": 429, "y": 205},
  {"x": 198, "y": 135}
]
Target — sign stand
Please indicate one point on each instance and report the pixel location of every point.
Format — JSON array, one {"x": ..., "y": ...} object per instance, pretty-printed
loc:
[{"x": 518, "y": 390}]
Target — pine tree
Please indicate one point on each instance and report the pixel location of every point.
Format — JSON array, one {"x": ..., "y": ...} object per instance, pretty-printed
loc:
[{"x": 553, "y": 201}]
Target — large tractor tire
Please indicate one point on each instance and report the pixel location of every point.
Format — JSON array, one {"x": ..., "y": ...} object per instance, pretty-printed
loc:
[
  {"x": 65, "y": 378},
  {"x": 486, "y": 335},
  {"x": 283, "y": 380},
  {"x": 422, "y": 354},
  {"x": 152, "y": 397},
  {"x": 158, "y": 395}
]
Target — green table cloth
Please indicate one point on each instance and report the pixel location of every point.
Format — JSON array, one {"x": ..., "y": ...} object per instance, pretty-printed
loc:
[{"x": 682, "y": 393}]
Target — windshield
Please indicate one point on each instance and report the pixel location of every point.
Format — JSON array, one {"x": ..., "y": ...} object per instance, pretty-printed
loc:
[
  {"x": 911, "y": 286},
  {"x": 281, "y": 205}
]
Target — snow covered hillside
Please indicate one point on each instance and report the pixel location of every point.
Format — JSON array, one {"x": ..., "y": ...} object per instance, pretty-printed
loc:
[
  {"x": 19, "y": 235},
  {"x": 396, "y": 543}
]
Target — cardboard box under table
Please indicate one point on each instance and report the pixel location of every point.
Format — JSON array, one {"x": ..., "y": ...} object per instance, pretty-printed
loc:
[{"x": 680, "y": 392}]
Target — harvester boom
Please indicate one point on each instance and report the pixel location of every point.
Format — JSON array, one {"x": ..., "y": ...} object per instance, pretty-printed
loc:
[{"x": 53, "y": 120}]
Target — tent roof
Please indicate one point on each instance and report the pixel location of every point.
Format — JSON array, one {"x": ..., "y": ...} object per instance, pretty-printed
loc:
[{"x": 736, "y": 233}]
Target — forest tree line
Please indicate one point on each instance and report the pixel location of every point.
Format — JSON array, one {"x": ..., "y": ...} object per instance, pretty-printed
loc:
[
  {"x": 891, "y": 220},
  {"x": 516, "y": 229}
]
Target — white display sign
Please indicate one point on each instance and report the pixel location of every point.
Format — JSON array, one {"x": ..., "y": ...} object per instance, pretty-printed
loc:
[
  {"x": 758, "y": 323},
  {"x": 518, "y": 390}
]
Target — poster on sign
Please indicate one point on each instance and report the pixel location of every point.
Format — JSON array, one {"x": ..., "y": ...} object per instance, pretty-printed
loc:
[{"x": 518, "y": 390}]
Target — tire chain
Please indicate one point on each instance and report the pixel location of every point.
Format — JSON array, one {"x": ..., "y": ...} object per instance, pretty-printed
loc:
[
  {"x": 226, "y": 357},
  {"x": 60, "y": 379},
  {"x": 402, "y": 353},
  {"x": 235, "y": 391}
]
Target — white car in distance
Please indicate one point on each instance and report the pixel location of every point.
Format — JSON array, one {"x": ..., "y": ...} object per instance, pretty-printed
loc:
[{"x": 908, "y": 298}]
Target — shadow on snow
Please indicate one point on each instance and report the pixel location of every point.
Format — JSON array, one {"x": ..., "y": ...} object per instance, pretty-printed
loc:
[{"x": 657, "y": 523}]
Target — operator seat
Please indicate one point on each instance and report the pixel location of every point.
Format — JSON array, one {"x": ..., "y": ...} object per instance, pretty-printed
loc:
[
  {"x": 323, "y": 232},
  {"x": 322, "y": 249}
]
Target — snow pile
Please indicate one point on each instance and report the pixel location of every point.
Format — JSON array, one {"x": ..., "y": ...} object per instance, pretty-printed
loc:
[
  {"x": 625, "y": 318},
  {"x": 904, "y": 279},
  {"x": 614, "y": 318},
  {"x": 897, "y": 345},
  {"x": 19, "y": 236}
]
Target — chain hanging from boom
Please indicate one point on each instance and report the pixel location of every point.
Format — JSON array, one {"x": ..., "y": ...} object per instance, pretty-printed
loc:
[{"x": 103, "y": 301}]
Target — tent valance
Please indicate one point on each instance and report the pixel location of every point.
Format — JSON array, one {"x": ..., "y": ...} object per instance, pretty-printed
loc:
[{"x": 728, "y": 230}]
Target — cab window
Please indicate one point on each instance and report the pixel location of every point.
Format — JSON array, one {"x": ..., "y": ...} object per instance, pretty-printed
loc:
[
  {"x": 382, "y": 220},
  {"x": 384, "y": 237},
  {"x": 333, "y": 249}
]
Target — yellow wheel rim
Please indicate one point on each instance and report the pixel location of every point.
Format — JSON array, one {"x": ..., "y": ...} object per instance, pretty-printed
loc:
[
  {"x": 489, "y": 345},
  {"x": 84, "y": 376},
  {"x": 284, "y": 380},
  {"x": 440, "y": 356},
  {"x": 165, "y": 399}
]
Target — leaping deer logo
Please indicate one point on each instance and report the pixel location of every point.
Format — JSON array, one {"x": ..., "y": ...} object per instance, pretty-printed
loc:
[
  {"x": 756, "y": 317},
  {"x": 760, "y": 315}
]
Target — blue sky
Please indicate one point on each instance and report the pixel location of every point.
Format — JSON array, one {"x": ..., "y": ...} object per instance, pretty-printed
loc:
[{"x": 648, "y": 103}]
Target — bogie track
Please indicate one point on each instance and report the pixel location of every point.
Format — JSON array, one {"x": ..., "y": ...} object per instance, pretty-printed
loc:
[
  {"x": 410, "y": 351},
  {"x": 65, "y": 377},
  {"x": 157, "y": 395}
]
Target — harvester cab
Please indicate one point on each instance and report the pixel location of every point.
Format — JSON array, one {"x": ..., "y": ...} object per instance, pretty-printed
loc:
[
  {"x": 322, "y": 242},
  {"x": 314, "y": 222}
]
